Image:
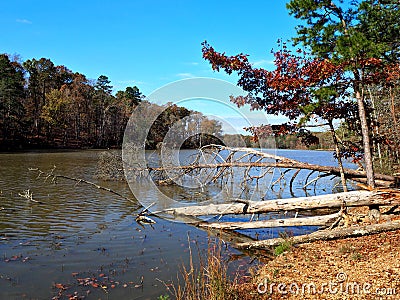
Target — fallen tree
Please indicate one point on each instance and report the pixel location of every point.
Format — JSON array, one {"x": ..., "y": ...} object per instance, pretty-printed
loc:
[
  {"x": 326, "y": 234},
  {"x": 247, "y": 158},
  {"x": 304, "y": 221},
  {"x": 217, "y": 164},
  {"x": 239, "y": 206}
]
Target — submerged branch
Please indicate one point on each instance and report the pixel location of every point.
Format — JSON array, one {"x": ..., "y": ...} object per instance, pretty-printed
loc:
[
  {"x": 222, "y": 167},
  {"x": 53, "y": 177}
]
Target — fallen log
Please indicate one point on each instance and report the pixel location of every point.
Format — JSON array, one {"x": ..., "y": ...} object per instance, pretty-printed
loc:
[
  {"x": 349, "y": 173},
  {"x": 351, "y": 199},
  {"x": 325, "y": 235},
  {"x": 305, "y": 221},
  {"x": 265, "y": 160}
]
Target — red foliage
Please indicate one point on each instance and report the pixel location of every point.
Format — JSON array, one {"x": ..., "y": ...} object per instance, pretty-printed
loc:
[
  {"x": 300, "y": 85},
  {"x": 287, "y": 88}
]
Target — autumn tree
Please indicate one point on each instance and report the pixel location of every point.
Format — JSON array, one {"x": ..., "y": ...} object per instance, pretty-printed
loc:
[
  {"x": 347, "y": 53},
  {"x": 357, "y": 33},
  {"x": 41, "y": 75},
  {"x": 57, "y": 116},
  {"x": 80, "y": 91},
  {"x": 104, "y": 101},
  {"x": 301, "y": 87},
  {"x": 201, "y": 131},
  {"x": 11, "y": 100}
]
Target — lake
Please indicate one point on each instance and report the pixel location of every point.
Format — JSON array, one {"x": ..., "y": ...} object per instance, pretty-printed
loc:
[{"x": 79, "y": 238}]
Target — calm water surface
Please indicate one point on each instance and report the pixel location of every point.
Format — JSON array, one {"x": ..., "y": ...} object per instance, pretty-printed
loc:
[{"x": 81, "y": 238}]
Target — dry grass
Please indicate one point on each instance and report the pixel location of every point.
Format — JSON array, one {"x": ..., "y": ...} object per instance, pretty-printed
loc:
[
  {"x": 210, "y": 279},
  {"x": 207, "y": 280},
  {"x": 374, "y": 260}
]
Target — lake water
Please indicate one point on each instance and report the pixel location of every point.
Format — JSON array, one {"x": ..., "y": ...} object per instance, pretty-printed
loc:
[{"x": 80, "y": 238}]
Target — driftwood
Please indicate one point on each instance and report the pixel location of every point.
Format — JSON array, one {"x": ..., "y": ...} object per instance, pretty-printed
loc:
[
  {"x": 225, "y": 159},
  {"x": 289, "y": 164},
  {"x": 53, "y": 177},
  {"x": 305, "y": 221},
  {"x": 351, "y": 199},
  {"x": 327, "y": 234},
  {"x": 216, "y": 164}
]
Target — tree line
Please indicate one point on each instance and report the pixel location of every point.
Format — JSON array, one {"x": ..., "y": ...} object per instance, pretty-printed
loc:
[{"x": 47, "y": 106}]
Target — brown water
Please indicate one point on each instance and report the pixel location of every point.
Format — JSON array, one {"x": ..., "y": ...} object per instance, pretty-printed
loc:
[
  {"x": 80, "y": 238},
  {"x": 80, "y": 232}
]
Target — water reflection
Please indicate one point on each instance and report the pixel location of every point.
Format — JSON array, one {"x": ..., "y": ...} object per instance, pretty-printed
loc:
[{"x": 88, "y": 232}]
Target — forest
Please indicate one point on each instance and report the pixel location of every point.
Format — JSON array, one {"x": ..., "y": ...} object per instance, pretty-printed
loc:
[
  {"x": 47, "y": 106},
  {"x": 342, "y": 76}
]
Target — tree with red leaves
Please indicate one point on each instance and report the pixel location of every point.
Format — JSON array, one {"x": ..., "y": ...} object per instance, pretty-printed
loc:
[
  {"x": 301, "y": 87},
  {"x": 348, "y": 52}
]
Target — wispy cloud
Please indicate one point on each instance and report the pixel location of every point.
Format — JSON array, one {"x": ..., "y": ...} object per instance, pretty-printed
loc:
[
  {"x": 185, "y": 75},
  {"x": 262, "y": 62},
  {"x": 23, "y": 21},
  {"x": 121, "y": 85},
  {"x": 129, "y": 82}
]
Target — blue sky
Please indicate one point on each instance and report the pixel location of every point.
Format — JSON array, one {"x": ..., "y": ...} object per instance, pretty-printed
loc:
[{"x": 143, "y": 43}]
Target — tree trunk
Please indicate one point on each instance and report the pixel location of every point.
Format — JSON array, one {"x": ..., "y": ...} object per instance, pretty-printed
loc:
[
  {"x": 365, "y": 134},
  {"x": 276, "y": 161},
  {"x": 325, "y": 235},
  {"x": 350, "y": 199},
  {"x": 361, "y": 110},
  {"x": 304, "y": 221},
  {"x": 338, "y": 156}
]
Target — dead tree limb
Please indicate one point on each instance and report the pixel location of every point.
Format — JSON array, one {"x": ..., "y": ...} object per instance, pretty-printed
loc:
[
  {"x": 350, "y": 174},
  {"x": 221, "y": 166},
  {"x": 240, "y": 206},
  {"x": 53, "y": 177},
  {"x": 29, "y": 196},
  {"x": 327, "y": 234},
  {"x": 306, "y": 221}
]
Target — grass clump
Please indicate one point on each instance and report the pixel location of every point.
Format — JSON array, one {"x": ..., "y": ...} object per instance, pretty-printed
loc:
[
  {"x": 207, "y": 279},
  {"x": 282, "y": 248},
  {"x": 285, "y": 246}
]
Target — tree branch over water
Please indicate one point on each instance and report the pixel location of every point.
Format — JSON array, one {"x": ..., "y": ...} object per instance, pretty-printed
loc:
[
  {"x": 53, "y": 177},
  {"x": 246, "y": 159}
]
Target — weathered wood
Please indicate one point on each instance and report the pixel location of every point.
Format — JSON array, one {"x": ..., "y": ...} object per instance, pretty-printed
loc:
[
  {"x": 305, "y": 221},
  {"x": 351, "y": 199},
  {"x": 268, "y": 160},
  {"x": 53, "y": 177},
  {"x": 349, "y": 173},
  {"x": 325, "y": 235}
]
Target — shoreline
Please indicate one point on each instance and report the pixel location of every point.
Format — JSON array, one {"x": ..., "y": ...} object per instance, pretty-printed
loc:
[{"x": 366, "y": 267}]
